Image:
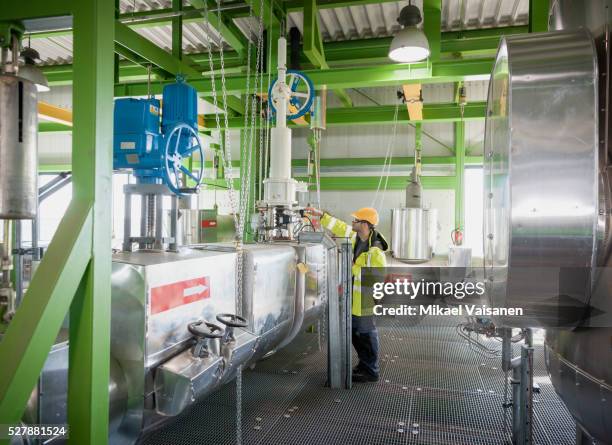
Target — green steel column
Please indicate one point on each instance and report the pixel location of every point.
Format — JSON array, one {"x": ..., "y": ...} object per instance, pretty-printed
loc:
[
  {"x": 177, "y": 29},
  {"x": 538, "y": 15},
  {"x": 459, "y": 174},
  {"x": 273, "y": 33},
  {"x": 92, "y": 177},
  {"x": 33, "y": 330},
  {"x": 117, "y": 64},
  {"x": 253, "y": 178},
  {"x": 432, "y": 22}
]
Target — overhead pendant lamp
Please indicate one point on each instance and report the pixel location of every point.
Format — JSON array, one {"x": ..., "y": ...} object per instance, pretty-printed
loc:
[
  {"x": 410, "y": 43},
  {"x": 30, "y": 71}
]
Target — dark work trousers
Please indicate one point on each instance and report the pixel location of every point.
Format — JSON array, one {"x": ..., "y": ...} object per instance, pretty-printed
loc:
[{"x": 365, "y": 342}]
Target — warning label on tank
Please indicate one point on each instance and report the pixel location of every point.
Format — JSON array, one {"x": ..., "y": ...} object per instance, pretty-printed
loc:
[{"x": 171, "y": 295}]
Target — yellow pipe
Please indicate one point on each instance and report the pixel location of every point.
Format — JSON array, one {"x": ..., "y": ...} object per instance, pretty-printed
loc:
[{"x": 55, "y": 114}]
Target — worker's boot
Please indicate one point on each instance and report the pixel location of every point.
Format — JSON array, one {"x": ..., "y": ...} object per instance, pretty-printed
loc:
[
  {"x": 358, "y": 369},
  {"x": 365, "y": 377}
]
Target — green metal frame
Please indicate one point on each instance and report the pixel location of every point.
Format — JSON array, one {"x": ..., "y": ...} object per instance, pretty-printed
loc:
[
  {"x": 74, "y": 275},
  {"x": 459, "y": 184},
  {"x": 297, "y": 5},
  {"x": 432, "y": 24},
  {"x": 328, "y": 162},
  {"x": 226, "y": 27},
  {"x": 129, "y": 42},
  {"x": 337, "y": 54},
  {"x": 254, "y": 177},
  {"x": 270, "y": 20},
  {"x": 372, "y": 76},
  {"x": 408, "y": 160},
  {"x": 372, "y": 182},
  {"x": 382, "y": 115},
  {"x": 313, "y": 45},
  {"x": 336, "y": 117}
]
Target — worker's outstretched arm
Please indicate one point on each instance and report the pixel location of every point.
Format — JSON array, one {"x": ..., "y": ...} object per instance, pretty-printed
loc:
[{"x": 336, "y": 226}]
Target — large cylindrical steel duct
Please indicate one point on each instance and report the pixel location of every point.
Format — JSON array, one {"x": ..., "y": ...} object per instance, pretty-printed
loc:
[
  {"x": 547, "y": 201},
  {"x": 18, "y": 148},
  {"x": 541, "y": 177}
]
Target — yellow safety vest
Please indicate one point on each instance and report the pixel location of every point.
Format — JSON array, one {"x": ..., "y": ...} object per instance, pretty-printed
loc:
[{"x": 374, "y": 257}]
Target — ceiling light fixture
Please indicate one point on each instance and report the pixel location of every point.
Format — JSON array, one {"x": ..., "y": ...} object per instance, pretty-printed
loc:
[{"x": 410, "y": 43}]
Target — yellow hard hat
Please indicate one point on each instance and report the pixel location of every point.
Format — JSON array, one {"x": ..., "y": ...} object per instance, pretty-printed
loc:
[{"x": 366, "y": 214}]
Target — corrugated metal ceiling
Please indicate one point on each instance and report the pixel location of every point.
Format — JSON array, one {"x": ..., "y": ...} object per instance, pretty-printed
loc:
[{"x": 352, "y": 22}]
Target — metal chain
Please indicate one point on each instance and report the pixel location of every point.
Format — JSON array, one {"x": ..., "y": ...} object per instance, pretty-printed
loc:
[
  {"x": 268, "y": 139},
  {"x": 240, "y": 218},
  {"x": 386, "y": 170},
  {"x": 324, "y": 303},
  {"x": 251, "y": 134},
  {"x": 225, "y": 152}
]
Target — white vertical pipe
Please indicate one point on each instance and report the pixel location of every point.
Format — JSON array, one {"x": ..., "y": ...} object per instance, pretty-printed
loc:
[
  {"x": 280, "y": 147},
  {"x": 281, "y": 109}
]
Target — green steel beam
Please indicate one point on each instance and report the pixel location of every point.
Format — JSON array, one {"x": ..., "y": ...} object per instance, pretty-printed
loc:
[
  {"x": 233, "y": 103},
  {"x": 89, "y": 356},
  {"x": 270, "y": 18},
  {"x": 374, "y": 115},
  {"x": 156, "y": 72},
  {"x": 329, "y": 162},
  {"x": 297, "y": 5},
  {"x": 459, "y": 184},
  {"x": 54, "y": 168},
  {"x": 372, "y": 182},
  {"x": 135, "y": 43},
  {"x": 480, "y": 45},
  {"x": 312, "y": 39},
  {"x": 486, "y": 32},
  {"x": 337, "y": 54},
  {"x": 373, "y": 76},
  {"x": 383, "y": 115},
  {"x": 356, "y": 182},
  {"x": 313, "y": 46},
  {"x": 47, "y": 127},
  {"x": 224, "y": 26},
  {"x": 409, "y": 160},
  {"x": 432, "y": 23},
  {"x": 32, "y": 332},
  {"x": 538, "y": 15},
  {"x": 135, "y": 71}
]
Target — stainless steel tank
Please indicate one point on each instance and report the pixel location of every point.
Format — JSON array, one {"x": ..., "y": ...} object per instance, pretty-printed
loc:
[
  {"x": 547, "y": 201},
  {"x": 413, "y": 233},
  {"x": 18, "y": 148}
]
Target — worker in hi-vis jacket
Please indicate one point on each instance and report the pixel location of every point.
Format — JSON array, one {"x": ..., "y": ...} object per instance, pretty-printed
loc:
[{"x": 369, "y": 248}]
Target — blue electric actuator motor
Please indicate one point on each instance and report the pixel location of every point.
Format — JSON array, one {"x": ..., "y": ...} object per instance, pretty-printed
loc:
[{"x": 154, "y": 140}]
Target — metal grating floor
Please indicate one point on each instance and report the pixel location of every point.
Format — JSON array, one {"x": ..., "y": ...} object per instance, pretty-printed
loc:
[{"x": 434, "y": 390}]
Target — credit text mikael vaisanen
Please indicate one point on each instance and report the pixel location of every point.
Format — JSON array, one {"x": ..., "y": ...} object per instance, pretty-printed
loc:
[{"x": 412, "y": 289}]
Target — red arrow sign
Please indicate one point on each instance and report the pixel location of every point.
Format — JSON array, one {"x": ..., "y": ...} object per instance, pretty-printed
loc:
[{"x": 176, "y": 294}]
